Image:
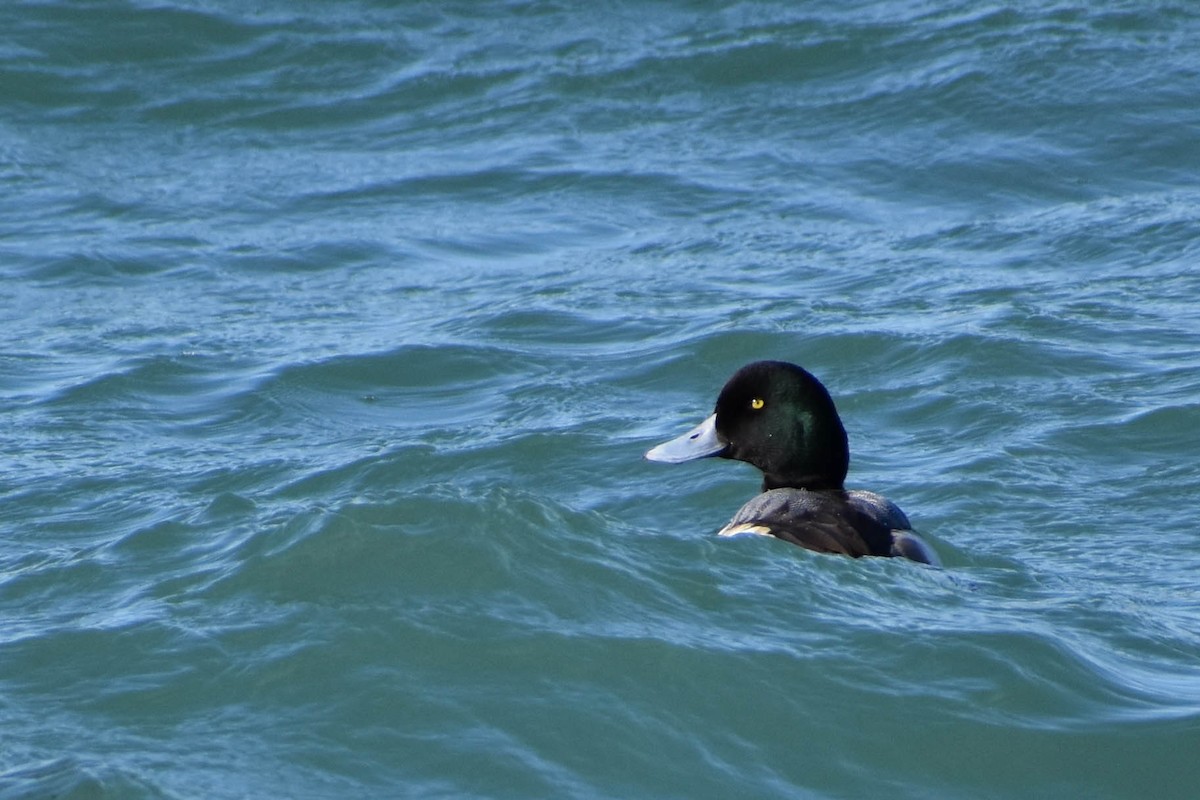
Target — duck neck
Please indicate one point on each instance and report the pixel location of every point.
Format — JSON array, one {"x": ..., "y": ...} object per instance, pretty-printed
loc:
[
  {"x": 816, "y": 459},
  {"x": 813, "y": 483}
]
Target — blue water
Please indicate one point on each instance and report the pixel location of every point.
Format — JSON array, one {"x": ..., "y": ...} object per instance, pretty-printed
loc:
[{"x": 333, "y": 335}]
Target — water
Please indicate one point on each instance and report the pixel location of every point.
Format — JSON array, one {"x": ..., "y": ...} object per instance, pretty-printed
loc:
[{"x": 333, "y": 336}]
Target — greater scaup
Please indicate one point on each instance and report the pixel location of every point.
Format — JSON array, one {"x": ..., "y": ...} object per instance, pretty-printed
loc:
[{"x": 778, "y": 417}]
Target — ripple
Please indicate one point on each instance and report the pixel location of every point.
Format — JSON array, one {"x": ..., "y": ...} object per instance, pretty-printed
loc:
[{"x": 335, "y": 336}]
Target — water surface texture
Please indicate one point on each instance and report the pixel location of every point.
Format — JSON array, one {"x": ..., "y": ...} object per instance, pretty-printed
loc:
[{"x": 333, "y": 335}]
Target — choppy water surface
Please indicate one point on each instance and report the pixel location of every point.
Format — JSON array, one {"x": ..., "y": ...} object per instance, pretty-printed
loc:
[{"x": 333, "y": 337}]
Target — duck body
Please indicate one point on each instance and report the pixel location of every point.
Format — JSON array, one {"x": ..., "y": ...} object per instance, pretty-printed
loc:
[
  {"x": 778, "y": 417},
  {"x": 854, "y": 523}
]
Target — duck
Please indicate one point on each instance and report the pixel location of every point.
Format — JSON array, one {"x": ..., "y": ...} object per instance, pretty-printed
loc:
[{"x": 778, "y": 417}]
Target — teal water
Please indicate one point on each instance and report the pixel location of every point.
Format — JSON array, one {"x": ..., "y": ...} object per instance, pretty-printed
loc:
[{"x": 334, "y": 334}]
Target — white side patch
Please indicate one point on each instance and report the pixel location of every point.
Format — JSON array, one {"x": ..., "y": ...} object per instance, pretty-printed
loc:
[{"x": 745, "y": 527}]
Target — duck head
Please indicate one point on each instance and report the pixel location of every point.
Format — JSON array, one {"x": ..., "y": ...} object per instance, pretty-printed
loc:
[{"x": 776, "y": 416}]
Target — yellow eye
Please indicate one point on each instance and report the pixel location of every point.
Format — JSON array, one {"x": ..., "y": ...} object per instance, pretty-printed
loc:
[{"x": 756, "y": 403}]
